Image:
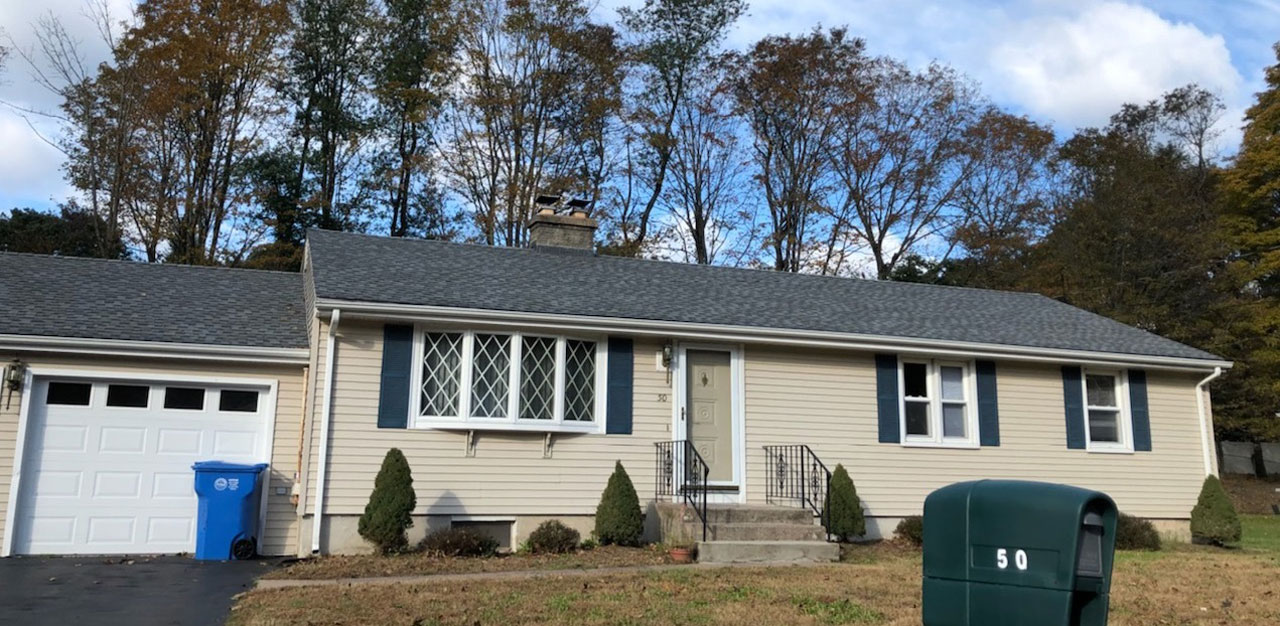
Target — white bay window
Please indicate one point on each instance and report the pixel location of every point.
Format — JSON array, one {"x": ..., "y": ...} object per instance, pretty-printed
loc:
[{"x": 509, "y": 381}]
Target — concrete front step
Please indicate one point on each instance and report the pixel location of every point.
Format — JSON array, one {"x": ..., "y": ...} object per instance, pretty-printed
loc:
[
  {"x": 766, "y": 532},
  {"x": 767, "y": 552},
  {"x": 738, "y": 514}
]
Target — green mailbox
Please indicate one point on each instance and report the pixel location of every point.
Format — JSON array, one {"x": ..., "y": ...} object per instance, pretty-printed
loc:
[{"x": 1014, "y": 553}]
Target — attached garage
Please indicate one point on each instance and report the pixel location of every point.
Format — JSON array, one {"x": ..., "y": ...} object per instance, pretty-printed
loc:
[{"x": 106, "y": 461}]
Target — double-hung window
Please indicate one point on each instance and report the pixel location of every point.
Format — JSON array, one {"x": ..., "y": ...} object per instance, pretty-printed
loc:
[
  {"x": 937, "y": 403},
  {"x": 506, "y": 380},
  {"x": 1107, "y": 418}
]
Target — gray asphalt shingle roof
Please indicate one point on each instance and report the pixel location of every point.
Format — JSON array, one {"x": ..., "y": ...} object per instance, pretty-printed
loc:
[
  {"x": 416, "y": 272},
  {"x": 101, "y": 299}
]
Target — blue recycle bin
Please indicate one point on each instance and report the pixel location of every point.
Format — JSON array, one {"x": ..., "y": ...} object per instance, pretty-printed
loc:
[{"x": 227, "y": 522}]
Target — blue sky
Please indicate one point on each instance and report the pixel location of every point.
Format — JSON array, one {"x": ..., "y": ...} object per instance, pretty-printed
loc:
[{"x": 1066, "y": 63}]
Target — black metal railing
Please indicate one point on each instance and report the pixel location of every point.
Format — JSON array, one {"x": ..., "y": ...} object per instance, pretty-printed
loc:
[
  {"x": 797, "y": 477},
  {"x": 681, "y": 472}
]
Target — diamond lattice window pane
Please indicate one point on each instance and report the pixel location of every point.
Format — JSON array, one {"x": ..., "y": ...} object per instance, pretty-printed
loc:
[
  {"x": 490, "y": 375},
  {"x": 538, "y": 378},
  {"x": 441, "y": 374},
  {"x": 580, "y": 381}
]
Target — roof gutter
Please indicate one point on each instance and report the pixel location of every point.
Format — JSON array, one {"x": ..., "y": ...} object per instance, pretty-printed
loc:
[
  {"x": 1206, "y": 424},
  {"x": 154, "y": 349},
  {"x": 748, "y": 334},
  {"x": 317, "y": 519}
]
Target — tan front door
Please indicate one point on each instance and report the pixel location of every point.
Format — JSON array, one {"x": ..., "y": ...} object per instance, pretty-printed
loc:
[{"x": 709, "y": 398}]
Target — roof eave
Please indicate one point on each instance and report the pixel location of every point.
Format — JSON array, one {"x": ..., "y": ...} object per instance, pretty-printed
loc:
[
  {"x": 154, "y": 349},
  {"x": 752, "y": 334}
]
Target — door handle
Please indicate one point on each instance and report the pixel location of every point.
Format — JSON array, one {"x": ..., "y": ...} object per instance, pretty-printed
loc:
[{"x": 682, "y": 414}]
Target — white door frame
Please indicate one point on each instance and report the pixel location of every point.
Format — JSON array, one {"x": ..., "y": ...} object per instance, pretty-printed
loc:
[
  {"x": 97, "y": 375},
  {"x": 737, "y": 403}
]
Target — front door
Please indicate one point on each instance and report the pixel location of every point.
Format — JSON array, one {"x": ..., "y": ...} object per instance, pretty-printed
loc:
[{"x": 709, "y": 404}]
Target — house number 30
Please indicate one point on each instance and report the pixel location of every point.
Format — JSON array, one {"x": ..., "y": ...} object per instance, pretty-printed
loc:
[{"x": 1019, "y": 559}]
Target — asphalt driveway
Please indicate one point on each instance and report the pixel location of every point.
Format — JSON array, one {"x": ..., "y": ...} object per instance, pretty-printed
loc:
[{"x": 133, "y": 591}]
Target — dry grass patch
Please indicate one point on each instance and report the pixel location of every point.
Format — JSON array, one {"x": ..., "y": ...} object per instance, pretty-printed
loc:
[
  {"x": 365, "y": 566},
  {"x": 1251, "y": 495},
  {"x": 877, "y": 585}
]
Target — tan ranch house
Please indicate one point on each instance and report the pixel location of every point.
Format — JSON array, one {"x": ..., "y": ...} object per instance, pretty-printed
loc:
[{"x": 513, "y": 379}]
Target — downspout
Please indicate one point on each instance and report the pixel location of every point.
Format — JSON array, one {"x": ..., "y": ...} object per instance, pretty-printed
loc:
[
  {"x": 317, "y": 518},
  {"x": 1204, "y": 420}
]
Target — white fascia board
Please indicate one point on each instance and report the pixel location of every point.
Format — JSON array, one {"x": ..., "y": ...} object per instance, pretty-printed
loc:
[
  {"x": 751, "y": 334},
  {"x": 153, "y": 349}
]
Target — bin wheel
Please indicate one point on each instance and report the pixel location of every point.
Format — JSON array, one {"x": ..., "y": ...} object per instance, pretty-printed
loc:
[{"x": 243, "y": 549}]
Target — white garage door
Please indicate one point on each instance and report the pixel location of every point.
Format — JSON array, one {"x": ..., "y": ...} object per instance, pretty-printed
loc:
[{"x": 107, "y": 463}]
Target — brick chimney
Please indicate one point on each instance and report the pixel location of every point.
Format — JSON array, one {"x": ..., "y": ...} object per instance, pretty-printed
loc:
[{"x": 562, "y": 225}]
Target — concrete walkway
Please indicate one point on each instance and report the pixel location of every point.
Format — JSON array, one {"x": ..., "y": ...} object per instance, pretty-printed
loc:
[{"x": 269, "y": 584}]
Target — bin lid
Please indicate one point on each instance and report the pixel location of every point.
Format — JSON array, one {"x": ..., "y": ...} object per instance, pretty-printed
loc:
[{"x": 223, "y": 466}]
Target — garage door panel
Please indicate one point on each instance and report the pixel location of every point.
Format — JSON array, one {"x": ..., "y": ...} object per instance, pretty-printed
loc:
[
  {"x": 58, "y": 484},
  {"x": 125, "y": 485},
  {"x": 107, "y": 529},
  {"x": 171, "y": 530},
  {"x": 172, "y": 485},
  {"x": 237, "y": 444},
  {"x": 110, "y": 480},
  {"x": 58, "y": 438},
  {"x": 180, "y": 441},
  {"x": 122, "y": 439}
]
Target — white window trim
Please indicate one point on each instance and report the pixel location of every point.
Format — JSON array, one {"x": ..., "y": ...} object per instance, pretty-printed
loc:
[
  {"x": 1124, "y": 418},
  {"x": 512, "y": 422},
  {"x": 934, "y": 389}
]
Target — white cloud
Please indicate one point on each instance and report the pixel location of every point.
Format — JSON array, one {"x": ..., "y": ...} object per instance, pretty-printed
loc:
[
  {"x": 1077, "y": 69},
  {"x": 30, "y": 169}
]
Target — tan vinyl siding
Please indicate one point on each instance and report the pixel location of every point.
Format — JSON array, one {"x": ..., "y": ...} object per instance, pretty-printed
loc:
[
  {"x": 281, "y": 534},
  {"x": 823, "y": 398},
  {"x": 508, "y": 474},
  {"x": 826, "y": 399}
]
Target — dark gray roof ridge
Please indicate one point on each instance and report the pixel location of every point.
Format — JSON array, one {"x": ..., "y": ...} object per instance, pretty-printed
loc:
[
  {"x": 147, "y": 263},
  {"x": 668, "y": 262}
]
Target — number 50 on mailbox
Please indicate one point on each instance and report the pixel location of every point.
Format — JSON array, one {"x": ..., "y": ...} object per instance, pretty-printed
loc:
[{"x": 1014, "y": 553}]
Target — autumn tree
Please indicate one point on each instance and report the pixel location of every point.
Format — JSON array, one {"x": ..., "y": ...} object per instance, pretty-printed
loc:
[
  {"x": 199, "y": 71},
  {"x": 900, "y": 155},
  {"x": 1251, "y": 188},
  {"x": 95, "y": 124},
  {"x": 417, "y": 40},
  {"x": 1137, "y": 238},
  {"x": 792, "y": 90},
  {"x": 1004, "y": 203},
  {"x": 705, "y": 195},
  {"x": 330, "y": 59},
  {"x": 673, "y": 41},
  {"x": 538, "y": 82}
]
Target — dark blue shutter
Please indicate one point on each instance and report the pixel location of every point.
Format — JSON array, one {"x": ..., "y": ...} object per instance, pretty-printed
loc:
[
  {"x": 618, "y": 396},
  {"x": 988, "y": 405},
  {"x": 1073, "y": 399},
  {"x": 397, "y": 366},
  {"x": 887, "y": 397},
  {"x": 1141, "y": 414}
]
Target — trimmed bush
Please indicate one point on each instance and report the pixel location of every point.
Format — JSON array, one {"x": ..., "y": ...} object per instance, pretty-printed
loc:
[
  {"x": 459, "y": 542},
  {"x": 387, "y": 515},
  {"x": 911, "y": 530},
  {"x": 1214, "y": 519},
  {"x": 553, "y": 537},
  {"x": 844, "y": 510},
  {"x": 618, "y": 517},
  {"x": 1135, "y": 533}
]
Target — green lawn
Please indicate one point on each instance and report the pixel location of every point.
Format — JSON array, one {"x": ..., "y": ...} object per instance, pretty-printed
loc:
[{"x": 1261, "y": 532}]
